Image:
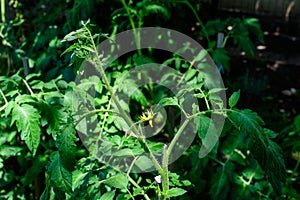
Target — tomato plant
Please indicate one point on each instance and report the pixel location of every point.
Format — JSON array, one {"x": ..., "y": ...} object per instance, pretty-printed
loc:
[{"x": 78, "y": 124}]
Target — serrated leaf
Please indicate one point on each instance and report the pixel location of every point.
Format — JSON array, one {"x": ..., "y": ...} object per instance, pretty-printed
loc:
[
  {"x": 216, "y": 90},
  {"x": 53, "y": 115},
  {"x": 61, "y": 178},
  {"x": 175, "y": 192},
  {"x": 139, "y": 97},
  {"x": 246, "y": 44},
  {"x": 27, "y": 122},
  {"x": 77, "y": 178},
  {"x": 220, "y": 185},
  {"x": 38, "y": 165},
  {"x": 266, "y": 152},
  {"x": 25, "y": 98},
  {"x": 169, "y": 101},
  {"x": 233, "y": 99},
  {"x": 245, "y": 120},
  {"x": 155, "y": 9},
  {"x": 254, "y": 26},
  {"x": 8, "y": 151},
  {"x": 119, "y": 181},
  {"x": 65, "y": 143},
  {"x": 208, "y": 134},
  {"x": 108, "y": 195},
  {"x": 144, "y": 163},
  {"x": 220, "y": 56}
]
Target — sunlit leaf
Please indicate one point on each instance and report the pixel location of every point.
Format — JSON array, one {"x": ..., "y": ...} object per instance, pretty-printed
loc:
[
  {"x": 27, "y": 121},
  {"x": 233, "y": 99}
]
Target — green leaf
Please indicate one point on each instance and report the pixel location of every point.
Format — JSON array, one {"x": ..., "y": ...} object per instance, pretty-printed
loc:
[
  {"x": 175, "y": 192},
  {"x": 254, "y": 26},
  {"x": 27, "y": 122},
  {"x": 220, "y": 56},
  {"x": 48, "y": 193},
  {"x": 190, "y": 74},
  {"x": 108, "y": 195},
  {"x": 203, "y": 126},
  {"x": 119, "y": 181},
  {"x": 208, "y": 134},
  {"x": 53, "y": 115},
  {"x": 25, "y": 98},
  {"x": 61, "y": 178},
  {"x": 266, "y": 152},
  {"x": 155, "y": 9},
  {"x": 38, "y": 165},
  {"x": 216, "y": 90},
  {"x": 201, "y": 56},
  {"x": 233, "y": 99},
  {"x": 8, "y": 151},
  {"x": 144, "y": 163},
  {"x": 245, "y": 120},
  {"x": 65, "y": 143},
  {"x": 168, "y": 101},
  {"x": 246, "y": 44},
  {"x": 77, "y": 179},
  {"x": 220, "y": 184}
]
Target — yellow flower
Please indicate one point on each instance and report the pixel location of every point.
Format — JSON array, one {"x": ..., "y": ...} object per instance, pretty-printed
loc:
[{"x": 147, "y": 117}]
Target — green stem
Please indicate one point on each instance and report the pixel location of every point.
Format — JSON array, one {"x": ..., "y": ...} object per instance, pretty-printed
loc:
[
  {"x": 3, "y": 11},
  {"x": 205, "y": 99},
  {"x": 116, "y": 101},
  {"x": 176, "y": 137},
  {"x": 135, "y": 184},
  {"x": 296, "y": 167},
  {"x": 5, "y": 100},
  {"x": 135, "y": 32},
  {"x": 205, "y": 33},
  {"x": 3, "y": 96},
  {"x": 8, "y": 64},
  {"x": 165, "y": 177},
  {"x": 28, "y": 87}
]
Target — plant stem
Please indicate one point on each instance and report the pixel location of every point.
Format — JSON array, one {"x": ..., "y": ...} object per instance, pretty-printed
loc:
[
  {"x": 3, "y": 96},
  {"x": 135, "y": 32},
  {"x": 3, "y": 11},
  {"x": 28, "y": 87},
  {"x": 176, "y": 137},
  {"x": 5, "y": 100},
  {"x": 98, "y": 63},
  {"x": 137, "y": 186},
  {"x": 205, "y": 33},
  {"x": 296, "y": 167},
  {"x": 165, "y": 177}
]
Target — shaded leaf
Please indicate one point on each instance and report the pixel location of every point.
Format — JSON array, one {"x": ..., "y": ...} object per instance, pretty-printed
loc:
[
  {"x": 266, "y": 152},
  {"x": 65, "y": 143},
  {"x": 61, "y": 178}
]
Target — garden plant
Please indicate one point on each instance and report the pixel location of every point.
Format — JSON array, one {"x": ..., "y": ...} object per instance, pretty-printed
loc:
[{"x": 129, "y": 103}]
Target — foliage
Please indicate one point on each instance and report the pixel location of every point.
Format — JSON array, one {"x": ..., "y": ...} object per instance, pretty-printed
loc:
[{"x": 42, "y": 154}]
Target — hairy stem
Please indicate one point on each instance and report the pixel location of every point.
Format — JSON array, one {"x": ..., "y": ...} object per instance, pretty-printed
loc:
[
  {"x": 116, "y": 101},
  {"x": 135, "y": 32}
]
